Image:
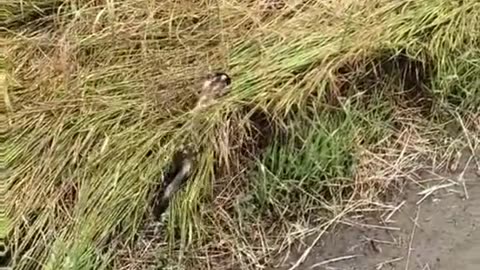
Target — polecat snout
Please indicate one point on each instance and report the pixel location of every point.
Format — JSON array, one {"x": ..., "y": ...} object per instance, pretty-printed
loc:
[{"x": 216, "y": 85}]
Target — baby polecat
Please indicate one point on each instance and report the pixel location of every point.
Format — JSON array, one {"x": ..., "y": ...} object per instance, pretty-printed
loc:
[{"x": 215, "y": 85}]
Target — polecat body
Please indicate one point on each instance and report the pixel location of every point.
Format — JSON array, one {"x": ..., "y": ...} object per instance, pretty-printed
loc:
[
  {"x": 216, "y": 85},
  {"x": 173, "y": 180}
]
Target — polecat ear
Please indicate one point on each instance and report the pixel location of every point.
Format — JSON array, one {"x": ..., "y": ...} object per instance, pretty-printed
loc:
[
  {"x": 223, "y": 77},
  {"x": 210, "y": 76}
]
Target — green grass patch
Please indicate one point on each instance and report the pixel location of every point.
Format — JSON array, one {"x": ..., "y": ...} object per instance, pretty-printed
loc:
[{"x": 306, "y": 169}]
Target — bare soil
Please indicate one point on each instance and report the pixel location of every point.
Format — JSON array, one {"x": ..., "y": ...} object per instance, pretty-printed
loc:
[{"x": 440, "y": 231}]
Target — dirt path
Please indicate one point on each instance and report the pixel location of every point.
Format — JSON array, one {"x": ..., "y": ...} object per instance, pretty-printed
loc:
[{"x": 446, "y": 237}]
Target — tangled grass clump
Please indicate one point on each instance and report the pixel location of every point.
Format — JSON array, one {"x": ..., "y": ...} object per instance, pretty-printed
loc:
[{"x": 331, "y": 104}]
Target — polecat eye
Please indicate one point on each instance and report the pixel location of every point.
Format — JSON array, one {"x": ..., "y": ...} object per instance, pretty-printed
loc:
[{"x": 226, "y": 79}]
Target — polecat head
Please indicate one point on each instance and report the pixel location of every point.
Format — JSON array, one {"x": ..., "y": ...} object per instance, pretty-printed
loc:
[
  {"x": 216, "y": 83},
  {"x": 187, "y": 150}
]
